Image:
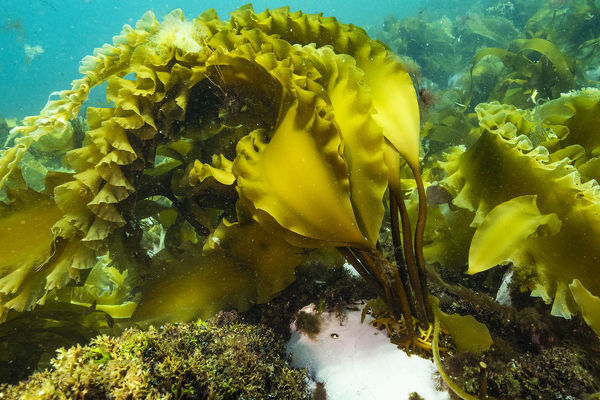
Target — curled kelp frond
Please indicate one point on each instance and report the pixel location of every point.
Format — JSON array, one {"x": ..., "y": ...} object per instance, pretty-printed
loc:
[
  {"x": 574, "y": 119},
  {"x": 267, "y": 134},
  {"x": 554, "y": 217}
]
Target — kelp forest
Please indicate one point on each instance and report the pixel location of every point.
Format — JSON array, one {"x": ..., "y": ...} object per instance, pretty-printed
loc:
[{"x": 243, "y": 166}]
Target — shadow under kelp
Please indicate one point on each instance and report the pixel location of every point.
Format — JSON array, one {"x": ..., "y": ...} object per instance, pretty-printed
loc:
[{"x": 48, "y": 328}]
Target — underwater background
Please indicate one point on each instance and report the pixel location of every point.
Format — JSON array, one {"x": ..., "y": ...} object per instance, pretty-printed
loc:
[
  {"x": 67, "y": 31},
  {"x": 215, "y": 178}
]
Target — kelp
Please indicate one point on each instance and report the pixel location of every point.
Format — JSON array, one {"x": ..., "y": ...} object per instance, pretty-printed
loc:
[
  {"x": 450, "y": 44},
  {"x": 447, "y": 125},
  {"x": 532, "y": 204},
  {"x": 106, "y": 288},
  {"x": 486, "y": 30},
  {"x": 571, "y": 27},
  {"x": 6, "y": 137},
  {"x": 535, "y": 68},
  {"x": 239, "y": 265},
  {"x": 572, "y": 30},
  {"x": 230, "y": 149},
  {"x": 474, "y": 337},
  {"x": 574, "y": 120}
]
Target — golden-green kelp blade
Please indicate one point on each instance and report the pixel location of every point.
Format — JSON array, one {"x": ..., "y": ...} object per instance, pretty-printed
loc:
[
  {"x": 30, "y": 259},
  {"x": 589, "y": 304},
  {"x": 503, "y": 230},
  {"x": 271, "y": 259},
  {"x": 467, "y": 333},
  {"x": 239, "y": 265},
  {"x": 396, "y": 105},
  {"x": 187, "y": 286},
  {"x": 300, "y": 179},
  {"x": 363, "y": 142}
]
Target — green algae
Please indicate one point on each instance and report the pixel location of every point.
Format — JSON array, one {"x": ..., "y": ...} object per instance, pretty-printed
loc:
[{"x": 181, "y": 361}]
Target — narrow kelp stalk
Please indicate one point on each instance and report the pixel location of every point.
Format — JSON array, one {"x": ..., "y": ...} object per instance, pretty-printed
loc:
[
  {"x": 389, "y": 273},
  {"x": 409, "y": 259},
  {"x": 438, "y": 362},
  {"x": 402, "y": 285},
  {"x": 385, "y": 277},
  {"x": 419, "y": 232},
  {"x": 362, "y": 271},
  {"x": 398, "y": 252}
]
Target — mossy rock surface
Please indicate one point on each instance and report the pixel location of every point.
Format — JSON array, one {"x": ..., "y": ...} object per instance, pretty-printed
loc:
[{"x": 203, "y": 360}]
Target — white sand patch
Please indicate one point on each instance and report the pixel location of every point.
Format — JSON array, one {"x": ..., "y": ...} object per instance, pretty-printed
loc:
[{"x": 359, "y": 362}]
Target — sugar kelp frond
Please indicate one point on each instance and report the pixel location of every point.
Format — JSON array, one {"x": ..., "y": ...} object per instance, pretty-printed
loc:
[
  {"x": 233, "y": 146},
  {"x": 529, "y": 170}
]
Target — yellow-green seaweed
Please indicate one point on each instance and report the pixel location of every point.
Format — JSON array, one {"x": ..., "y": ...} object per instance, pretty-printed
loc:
[
  {"x": 277, "y": 121},
  {"x": 504, "y": 168}
]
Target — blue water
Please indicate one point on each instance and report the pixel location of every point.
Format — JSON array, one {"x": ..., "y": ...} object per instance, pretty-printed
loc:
[{"x": 68, "y": 30}]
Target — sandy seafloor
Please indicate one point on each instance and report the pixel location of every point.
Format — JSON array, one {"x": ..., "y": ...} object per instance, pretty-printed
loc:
[{"x": 357, "y": 361}]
